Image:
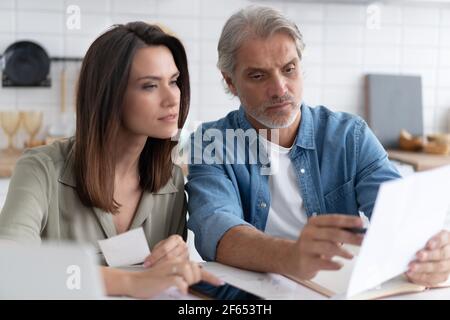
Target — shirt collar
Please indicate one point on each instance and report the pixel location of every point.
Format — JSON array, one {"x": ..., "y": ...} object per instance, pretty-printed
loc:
[{"x": 305, "y": 135}]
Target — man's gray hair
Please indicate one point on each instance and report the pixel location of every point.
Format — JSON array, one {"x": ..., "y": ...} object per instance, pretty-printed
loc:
[{"x": 253, "y": 21}]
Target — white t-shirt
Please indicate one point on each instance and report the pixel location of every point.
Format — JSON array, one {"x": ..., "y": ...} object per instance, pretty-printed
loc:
[{"x": 287, "y": 215}]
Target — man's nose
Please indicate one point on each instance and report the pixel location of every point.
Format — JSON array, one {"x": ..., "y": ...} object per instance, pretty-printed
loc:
[{"x": 277, "y": 87}]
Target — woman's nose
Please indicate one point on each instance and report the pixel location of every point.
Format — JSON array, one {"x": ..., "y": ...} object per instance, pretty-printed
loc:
[{"x": 171, "y": 97}]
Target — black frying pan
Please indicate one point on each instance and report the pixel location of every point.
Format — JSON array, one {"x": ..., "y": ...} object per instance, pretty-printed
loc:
[{"x": 25, "y": 64}]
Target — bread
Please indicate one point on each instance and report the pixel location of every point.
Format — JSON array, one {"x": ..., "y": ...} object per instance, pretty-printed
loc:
[
  {"x": 442, "y": 138},
  {"x": 410, "y": 143}
]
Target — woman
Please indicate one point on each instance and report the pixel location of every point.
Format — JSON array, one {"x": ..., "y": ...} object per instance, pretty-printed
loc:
[{"x": 116, "y": 174}]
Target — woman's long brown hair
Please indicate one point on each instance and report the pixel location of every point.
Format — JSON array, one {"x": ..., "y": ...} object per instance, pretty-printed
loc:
[{"x": 100, "y": 94}]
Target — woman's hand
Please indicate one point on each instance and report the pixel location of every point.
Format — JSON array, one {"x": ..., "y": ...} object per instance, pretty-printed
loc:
[
  {"x": 178, "y": 273},
  {"x": 170, "y": 248}
]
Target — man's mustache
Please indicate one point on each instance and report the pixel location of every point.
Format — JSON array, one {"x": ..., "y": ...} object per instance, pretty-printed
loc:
[{"x": 283, "y": 99}]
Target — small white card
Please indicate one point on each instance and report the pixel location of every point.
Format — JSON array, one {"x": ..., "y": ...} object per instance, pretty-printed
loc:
[{"x": 125, "y": 249}]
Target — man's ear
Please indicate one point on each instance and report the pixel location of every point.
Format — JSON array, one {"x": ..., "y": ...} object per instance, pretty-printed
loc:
[{"x": 229, "y": 83}]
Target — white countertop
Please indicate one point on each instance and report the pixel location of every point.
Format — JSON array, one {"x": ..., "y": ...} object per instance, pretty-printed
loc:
[{"x": 274, "y": 286}]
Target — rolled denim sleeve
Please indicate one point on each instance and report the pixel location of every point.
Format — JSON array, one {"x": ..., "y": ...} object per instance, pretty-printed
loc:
[
  {"x": 214, "y": 201},
  {"x": 214, "y": 207},
  {"x": 373, "y": 167}
]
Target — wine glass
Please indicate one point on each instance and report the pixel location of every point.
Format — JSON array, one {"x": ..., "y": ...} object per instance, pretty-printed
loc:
[
  {"x": 10, "y": 122},
  {"x": 32, "y": 122}
]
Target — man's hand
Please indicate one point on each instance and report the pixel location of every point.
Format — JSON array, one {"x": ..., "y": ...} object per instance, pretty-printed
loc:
[
  {"x": 321, "y": 240},
  {"x": 432, "y": 264}
]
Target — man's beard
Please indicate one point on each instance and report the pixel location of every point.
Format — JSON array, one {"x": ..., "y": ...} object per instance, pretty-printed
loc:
[{"x": 278, "y": 120}]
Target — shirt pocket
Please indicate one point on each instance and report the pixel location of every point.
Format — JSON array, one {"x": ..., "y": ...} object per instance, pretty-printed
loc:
[{"x": 342, "y": 199}]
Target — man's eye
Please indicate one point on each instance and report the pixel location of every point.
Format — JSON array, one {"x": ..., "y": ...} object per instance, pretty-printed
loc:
[
  {"x": 256, "y": 76},
  {"x": 290, "y": 69}
]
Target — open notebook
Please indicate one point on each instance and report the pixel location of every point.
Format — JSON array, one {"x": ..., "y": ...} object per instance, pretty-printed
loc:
[
  {"x": 335, "y": 283},
  {"x": 407, "y": 213}
]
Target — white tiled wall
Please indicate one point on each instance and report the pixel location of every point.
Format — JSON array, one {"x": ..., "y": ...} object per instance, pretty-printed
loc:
[{"x": 340, "y": 49}]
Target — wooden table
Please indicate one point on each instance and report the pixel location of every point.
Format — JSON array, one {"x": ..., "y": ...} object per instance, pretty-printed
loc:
[{"x": 419, "y": 160}]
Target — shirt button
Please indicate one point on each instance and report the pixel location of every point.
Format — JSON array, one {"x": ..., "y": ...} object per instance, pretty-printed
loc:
[
  {"x": 302, "y": 170},
  {"x": 263, "y": 205}
]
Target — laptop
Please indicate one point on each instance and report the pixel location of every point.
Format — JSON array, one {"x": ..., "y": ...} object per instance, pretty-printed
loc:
[{"x": 49, "y": 271}]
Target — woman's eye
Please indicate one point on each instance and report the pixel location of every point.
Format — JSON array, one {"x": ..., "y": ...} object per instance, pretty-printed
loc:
[
  {"x": 174, "y": 83},
  {"x": 149, "y": 86}
]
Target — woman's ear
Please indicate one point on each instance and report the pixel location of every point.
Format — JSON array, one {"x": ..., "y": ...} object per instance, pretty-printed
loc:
[{"x": 229, "y": 82}]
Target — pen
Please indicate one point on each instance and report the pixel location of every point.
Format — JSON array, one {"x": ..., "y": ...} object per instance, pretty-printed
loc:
[
  {"x": 366, "y": 223},
  {"x": 362, "y": 230},
  {"x": 356, "y": 230}
]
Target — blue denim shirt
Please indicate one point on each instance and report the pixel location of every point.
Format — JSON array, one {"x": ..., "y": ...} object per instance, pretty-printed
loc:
[{"x": 339, "y": 162}]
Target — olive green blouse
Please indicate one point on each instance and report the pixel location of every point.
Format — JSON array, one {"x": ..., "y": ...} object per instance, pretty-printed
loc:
[{"x": 42, "y": 203}]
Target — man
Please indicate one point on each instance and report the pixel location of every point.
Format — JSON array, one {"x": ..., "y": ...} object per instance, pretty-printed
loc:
[{"x": 330, "y": 166}]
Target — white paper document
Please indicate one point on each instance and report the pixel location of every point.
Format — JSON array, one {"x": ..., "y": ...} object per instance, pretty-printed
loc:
[
  {"x": 336, "y": 282},
  {"x": 407, "y": 213},
  {"x": 125, "y": 249}
]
